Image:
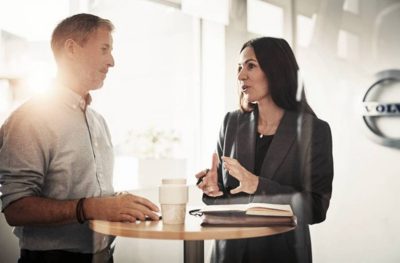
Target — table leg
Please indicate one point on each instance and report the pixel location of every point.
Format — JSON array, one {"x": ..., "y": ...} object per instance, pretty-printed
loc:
[{"x": 193, "y": 251}]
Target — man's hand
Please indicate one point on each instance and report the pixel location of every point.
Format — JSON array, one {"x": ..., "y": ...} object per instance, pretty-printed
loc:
[
  {"x": 209, "y": 179},
  {"x": 39, "y": 211},
  {"x": 121, "y": 208}
]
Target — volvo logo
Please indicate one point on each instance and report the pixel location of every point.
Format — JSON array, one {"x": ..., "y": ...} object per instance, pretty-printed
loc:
[{"x": 381, "y": 108}]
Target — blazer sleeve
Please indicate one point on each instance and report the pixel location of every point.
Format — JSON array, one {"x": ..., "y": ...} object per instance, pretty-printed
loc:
[
  {"x": 220, "y": 146},
  {"x": 310, "y": 203}
]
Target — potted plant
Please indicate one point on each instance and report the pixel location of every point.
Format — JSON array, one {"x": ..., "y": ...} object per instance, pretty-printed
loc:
[{"x": 156, "y": 150}]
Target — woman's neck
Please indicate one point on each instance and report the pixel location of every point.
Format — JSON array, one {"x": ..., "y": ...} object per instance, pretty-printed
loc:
[{"x": 269, "y": 117}]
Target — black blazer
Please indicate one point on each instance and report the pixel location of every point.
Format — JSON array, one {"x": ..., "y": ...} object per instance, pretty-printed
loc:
[{"x": 297, "y": 169}]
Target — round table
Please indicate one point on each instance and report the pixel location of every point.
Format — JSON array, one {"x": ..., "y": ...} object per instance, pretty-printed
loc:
[{"x": 192, "y": 233}]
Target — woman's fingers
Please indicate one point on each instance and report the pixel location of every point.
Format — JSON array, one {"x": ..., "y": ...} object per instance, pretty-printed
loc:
[
  {"x": 210, "y": 188},
  {"x": 237, "y": 190},
  {"x": 213, "y": 191},
  {"x": 215, "y": 194},
  {"x": 233, "y": 167},
  {"x": 201, "y": 174},
  {"x": 208, "y": 179},
  {"x": 248, "y": 182},
  {"x": 214, "y": 162}
]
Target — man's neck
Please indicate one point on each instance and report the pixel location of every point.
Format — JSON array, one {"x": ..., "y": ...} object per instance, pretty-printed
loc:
[{"x": 69, "y": 83}]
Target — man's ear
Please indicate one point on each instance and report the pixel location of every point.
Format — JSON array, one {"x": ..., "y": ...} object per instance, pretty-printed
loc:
[{"x": 70, "y": 47}]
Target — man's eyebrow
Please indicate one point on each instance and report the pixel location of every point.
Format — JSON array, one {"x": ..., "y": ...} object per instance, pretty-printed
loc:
[{"x": 108, "y": 46}]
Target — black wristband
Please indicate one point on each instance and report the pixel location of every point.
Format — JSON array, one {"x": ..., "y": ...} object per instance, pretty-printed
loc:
[{"x": 80, "y": 214}]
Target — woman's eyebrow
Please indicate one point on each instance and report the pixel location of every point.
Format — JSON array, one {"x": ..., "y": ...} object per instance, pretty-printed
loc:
[{"x": 247, "y": 61}]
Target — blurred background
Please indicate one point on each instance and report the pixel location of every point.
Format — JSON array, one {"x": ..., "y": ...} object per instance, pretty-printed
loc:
[{"x": 175, "y": 78}]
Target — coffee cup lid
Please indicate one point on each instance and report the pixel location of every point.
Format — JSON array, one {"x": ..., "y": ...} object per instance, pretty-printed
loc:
[{"x": 173, "y": 181}]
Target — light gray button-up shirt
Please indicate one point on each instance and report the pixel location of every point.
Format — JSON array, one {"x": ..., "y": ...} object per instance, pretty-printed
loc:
[{"x": 54, "y": 146}]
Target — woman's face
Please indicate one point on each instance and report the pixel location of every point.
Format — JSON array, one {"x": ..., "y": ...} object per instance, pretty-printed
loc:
[{"x": 252, "y": 80}]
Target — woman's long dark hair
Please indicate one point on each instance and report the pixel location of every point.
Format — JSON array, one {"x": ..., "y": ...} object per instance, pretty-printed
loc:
[{"x": 279, "y": 64}]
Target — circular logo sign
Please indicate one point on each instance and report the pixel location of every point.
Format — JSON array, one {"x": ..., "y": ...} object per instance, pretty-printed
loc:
[{"x": 381, "y": 108}]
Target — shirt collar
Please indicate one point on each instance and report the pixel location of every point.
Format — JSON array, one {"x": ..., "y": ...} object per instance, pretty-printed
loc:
[{"x": 73, "y": 99}]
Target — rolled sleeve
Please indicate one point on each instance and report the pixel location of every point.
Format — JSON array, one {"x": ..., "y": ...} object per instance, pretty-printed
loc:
[{"x": 22, "y": 157}]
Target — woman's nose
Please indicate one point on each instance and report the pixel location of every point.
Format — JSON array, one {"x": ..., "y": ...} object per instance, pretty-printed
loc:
[{"x": 242, "y": 75}]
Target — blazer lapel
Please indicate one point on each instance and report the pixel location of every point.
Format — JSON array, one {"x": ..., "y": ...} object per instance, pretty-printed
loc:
[{"x": 283, "y": 139}]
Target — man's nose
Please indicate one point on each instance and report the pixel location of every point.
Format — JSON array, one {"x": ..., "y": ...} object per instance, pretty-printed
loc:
[{"x": 111, "y": 61}]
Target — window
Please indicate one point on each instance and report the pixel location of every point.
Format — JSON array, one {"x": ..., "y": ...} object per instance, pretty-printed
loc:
[
  {"x": 264, "y": 18},
  {"x": 348, "y": 45},
  {"x": 150, "y": 93},
  {"x": 351, "y": 6},
  {"x": 305, "y": 29}
]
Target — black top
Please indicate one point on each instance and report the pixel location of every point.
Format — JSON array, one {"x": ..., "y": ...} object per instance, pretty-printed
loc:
[{"x": 262, "y": 144}]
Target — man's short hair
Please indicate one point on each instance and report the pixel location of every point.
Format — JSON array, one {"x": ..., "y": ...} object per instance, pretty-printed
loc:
[{"x": 78, "y": 28}]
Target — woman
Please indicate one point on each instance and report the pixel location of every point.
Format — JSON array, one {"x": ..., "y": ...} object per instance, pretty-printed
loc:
[{"x": 273, "y": 150}]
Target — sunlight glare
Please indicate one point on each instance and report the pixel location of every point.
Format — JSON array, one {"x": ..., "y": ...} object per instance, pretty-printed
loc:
[
  {"x": 37, "y": 24},
  {"x": 40, "y": 77}
]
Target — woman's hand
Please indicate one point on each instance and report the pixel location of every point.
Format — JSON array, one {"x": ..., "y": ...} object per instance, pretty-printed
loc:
[
  {"x": 209, "y": 179},
  {"x": 248, "y": 182}
]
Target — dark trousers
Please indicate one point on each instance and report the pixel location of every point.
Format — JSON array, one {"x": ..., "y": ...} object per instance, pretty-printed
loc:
[{"x": 60, "y": 256}]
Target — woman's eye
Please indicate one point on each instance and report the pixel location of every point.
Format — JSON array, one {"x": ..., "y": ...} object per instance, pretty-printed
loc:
[
  {"x": 251, "y": 66},
  {"x": 239, "y": 69}
]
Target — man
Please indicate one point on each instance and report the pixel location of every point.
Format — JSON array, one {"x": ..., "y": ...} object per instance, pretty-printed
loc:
[{"x": 56, "y": 156}]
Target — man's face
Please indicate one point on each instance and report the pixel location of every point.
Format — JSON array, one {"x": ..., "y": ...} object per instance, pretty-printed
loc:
[{"x": 93, "y": 59}]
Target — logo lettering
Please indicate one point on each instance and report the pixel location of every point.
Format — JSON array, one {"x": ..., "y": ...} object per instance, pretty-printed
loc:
[{"x": 381, "y": 109}]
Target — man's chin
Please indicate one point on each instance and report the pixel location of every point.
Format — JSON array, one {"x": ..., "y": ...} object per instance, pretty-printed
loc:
[{"x": 98, "y": 86}]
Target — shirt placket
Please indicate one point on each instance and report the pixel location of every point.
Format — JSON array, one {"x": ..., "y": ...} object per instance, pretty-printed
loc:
[{"x": 94, "y": 137}]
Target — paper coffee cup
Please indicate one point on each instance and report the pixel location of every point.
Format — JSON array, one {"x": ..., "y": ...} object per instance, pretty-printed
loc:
[{"x": 173, "y": 197}]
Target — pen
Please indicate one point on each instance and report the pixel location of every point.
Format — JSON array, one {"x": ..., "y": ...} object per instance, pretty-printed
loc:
[
  {"x": 201, "y": 178},
  {"x": 147, "y": 218}
]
